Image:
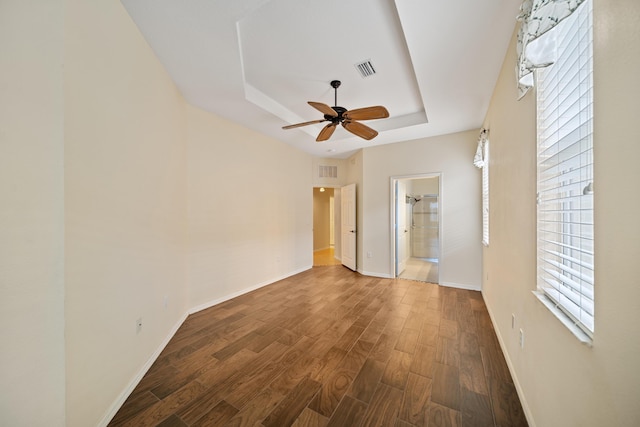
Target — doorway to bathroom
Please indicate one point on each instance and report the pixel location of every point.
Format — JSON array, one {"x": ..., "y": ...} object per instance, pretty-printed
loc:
[{"x": 417, "y": 227}]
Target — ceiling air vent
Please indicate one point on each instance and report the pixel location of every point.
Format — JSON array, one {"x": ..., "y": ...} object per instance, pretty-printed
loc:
[
  {"x": 366, "y": 68},
  {"x": 327, "y": 171}
]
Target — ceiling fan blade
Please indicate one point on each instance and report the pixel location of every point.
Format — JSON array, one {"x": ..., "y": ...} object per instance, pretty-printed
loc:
[
  {"x": 359, "y": 129},
  {"x": 324, "y": 108},
  {"x": 368, "y": 113},
  {"x": 312, "y": 122},
  {"x": 326, "y": 132}
]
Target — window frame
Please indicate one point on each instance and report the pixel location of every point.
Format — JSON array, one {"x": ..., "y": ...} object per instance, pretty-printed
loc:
[{"x": 564, "y": 224}]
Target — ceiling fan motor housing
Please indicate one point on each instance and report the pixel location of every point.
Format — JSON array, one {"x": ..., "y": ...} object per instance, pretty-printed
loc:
[{"x": 338, "y": 118}]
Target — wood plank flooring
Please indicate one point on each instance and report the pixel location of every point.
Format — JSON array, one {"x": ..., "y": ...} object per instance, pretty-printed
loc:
[{"x": 329, "y": 347}]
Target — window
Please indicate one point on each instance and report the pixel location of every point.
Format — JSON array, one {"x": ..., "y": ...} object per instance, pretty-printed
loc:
[
  {"x": 485, "y": 195},
  {"x": 481, "y": 160},
  {"x": 565, "y": 175}
]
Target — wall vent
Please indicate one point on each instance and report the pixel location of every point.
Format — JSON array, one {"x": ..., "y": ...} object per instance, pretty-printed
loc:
[
  {"x": 327, "y": 171},
  {"x": 365, "y": 68}
]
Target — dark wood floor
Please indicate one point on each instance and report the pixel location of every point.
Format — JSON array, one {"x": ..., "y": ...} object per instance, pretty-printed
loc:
[{"x": 330, "y": 347}]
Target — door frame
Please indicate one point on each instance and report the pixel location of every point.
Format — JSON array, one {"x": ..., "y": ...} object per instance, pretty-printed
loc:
[{"x": 393, "y": 231}]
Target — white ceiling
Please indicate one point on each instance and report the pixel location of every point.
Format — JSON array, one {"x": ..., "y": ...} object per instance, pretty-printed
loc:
[{"x": 258, "y": 62}]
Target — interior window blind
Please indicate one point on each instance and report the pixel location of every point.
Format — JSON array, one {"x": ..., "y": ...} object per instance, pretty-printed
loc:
[
  {"x": 485, "y": 195},
  {"x": 565, "y": 172}
]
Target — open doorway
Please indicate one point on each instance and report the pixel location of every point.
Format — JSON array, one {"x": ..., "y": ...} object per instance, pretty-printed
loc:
[
  {"x": 417, "y": 230},
  {"x": 326, "y": 229}
]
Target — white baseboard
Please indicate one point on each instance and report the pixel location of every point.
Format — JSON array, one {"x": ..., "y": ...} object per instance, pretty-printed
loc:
[
  {"x": 462, "y": 286},
  {"x": 369, "y": 273},
  {"x": 246, "y": 290},
  {"x": 117, "y": 404},
  {"x": 525, "y": 407}
]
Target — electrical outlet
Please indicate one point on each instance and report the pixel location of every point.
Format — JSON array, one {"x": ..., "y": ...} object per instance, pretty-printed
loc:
[
  {"x": 513, "y": 321},
  {"x": 521, "y": 338},
  {"x": 139, "y": 325},
  {"x": 369, "y": 254}
]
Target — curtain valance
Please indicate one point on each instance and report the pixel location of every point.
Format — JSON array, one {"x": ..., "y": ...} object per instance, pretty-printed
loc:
[
  {"x": 536, "y": 40},
  {"x": 481, "y": 154}
]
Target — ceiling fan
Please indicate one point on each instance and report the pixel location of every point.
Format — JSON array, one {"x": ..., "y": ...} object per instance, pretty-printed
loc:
[{"x": 348, "y": 118}]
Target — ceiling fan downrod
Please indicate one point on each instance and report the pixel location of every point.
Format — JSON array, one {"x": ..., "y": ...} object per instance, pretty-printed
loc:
[{"x": 335, "y": 84}]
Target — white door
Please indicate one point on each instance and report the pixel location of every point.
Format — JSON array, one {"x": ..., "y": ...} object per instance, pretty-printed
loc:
[
  {"x": 348, "y": 229},
  {"x": 402, "y": 231}
]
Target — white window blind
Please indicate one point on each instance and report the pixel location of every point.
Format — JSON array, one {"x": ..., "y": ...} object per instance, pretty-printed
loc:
[
  {"x": 485, "y": 195},
  {"x": 565, "y": 172},
  {"x": 481, "y": 160}
]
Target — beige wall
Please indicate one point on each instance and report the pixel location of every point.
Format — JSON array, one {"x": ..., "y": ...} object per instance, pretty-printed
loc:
[
  {"x": 96, "y": 228},
  {"x": 250, "y": 209},
  {"x": 125, "y": 206},
  {"x": 449, "y": 155},
  {"x": 423, "y": 186},
  {"x": 31, "y": 214},
  {"x": 339, "y": 181},
  {"x": 563, "y": 382}
]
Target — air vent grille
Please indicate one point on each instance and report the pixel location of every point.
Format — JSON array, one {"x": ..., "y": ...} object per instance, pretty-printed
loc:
[
  {"x": 365, "y": 68},
  {"x": 327, "y": 171}
]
